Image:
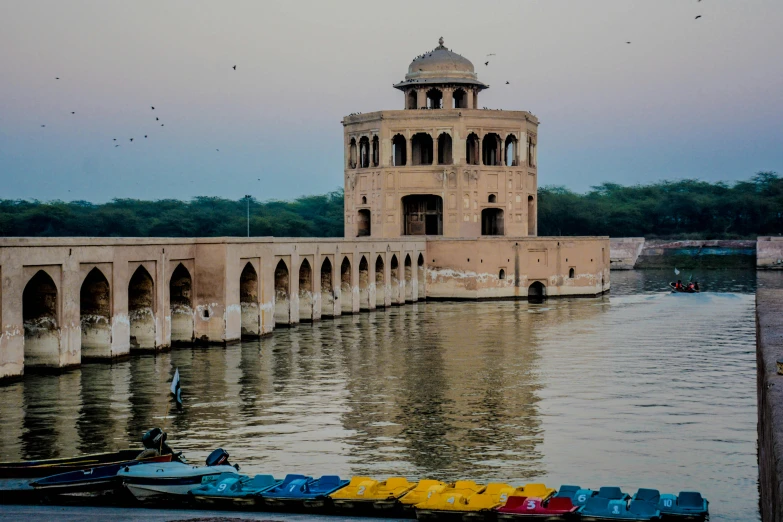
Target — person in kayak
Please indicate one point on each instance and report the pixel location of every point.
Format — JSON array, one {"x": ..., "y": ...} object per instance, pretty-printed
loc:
[
  {"x": 696, "y": 286},
  {"x": 678, "y": 285},
  {"x": 691, "y": 288}
]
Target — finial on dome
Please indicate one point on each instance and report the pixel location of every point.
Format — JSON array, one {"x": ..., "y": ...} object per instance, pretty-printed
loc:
[{"x": 440, "y": 41}]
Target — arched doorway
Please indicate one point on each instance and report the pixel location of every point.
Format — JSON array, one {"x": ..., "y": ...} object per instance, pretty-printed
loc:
[
  {"x": 141, "y": 310},
  {"x": 364, "y": 284},
  {"x": 422, "y": 290},
  {"x": 408, "y": 279},
  {"x": 536, "y": 292},
  {"x": 346, "y": 292},
  {"x": 394, "y": 275},
  {"x": 282, "y": 301},
  {"x": 39, "y": 315},
  {"x": 248, "y": 301},
  {"x": 95, "y": 316},
  {"x": 492, "y": 222},
  {"x": 380, "y": 283},
  {"x": 180, "y": 297},
  {"x": 305, "y": 292},
  {"x": 327, "y": 290}
]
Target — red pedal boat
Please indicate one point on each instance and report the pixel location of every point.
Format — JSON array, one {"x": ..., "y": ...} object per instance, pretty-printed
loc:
[{"x": 534, "y": 508}]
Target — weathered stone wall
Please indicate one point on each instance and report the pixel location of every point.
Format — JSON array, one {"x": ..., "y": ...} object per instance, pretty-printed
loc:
[
  {"x": 769, "y": 348},
  {"x": 703, "y": 254},
  {"x": 769, "y": 253},
  {"x": 624, "y": 251}
]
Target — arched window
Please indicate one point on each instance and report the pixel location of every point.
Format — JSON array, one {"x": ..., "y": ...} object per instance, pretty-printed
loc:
[
  {"x": 364, "y": 152},
  {"x": 434, "y": 99},
  {"x": 445, "y": 156},
  {"x": 376, "y": 151},
  {"x": 570, "y": 273},
  {"x": 502, "y": 274},
  {"x": 511, "y": 151},
  {"x": 364, "y": 200},
  {"x": 421, "y": 149},
  {"x": 411, "y": 100},
  {"x": 399, "y": 150},
  {"x": 491, "y": 149},
  {"x": 460, "y": 99},
  {"x": 492, "y": 198},
  {"x": 471, "y": 149},
  {"x": 352, "y": 154}
]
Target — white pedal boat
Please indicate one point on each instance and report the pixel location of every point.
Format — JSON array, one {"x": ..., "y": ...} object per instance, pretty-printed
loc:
[{"x": 150, "y": 482}]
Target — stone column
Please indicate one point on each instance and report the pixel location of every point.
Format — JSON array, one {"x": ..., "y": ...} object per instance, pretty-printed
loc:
[
  {"x": 435, "y": 149},
  {"x": 448, "y": 97},
  {"x": 421, "y": 98}
]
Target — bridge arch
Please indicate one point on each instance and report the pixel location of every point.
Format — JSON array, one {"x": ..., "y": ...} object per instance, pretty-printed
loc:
[
  {"x": 282, "y": 292},
  {"x": 181, "y": 305},
  {"x": 327, "y": 289},
  {"x": 346, "y": 293},
  {"x": 40, "y": 311},
  {"x": 95, "y": 315},
  {"x": 408, "y": 278},
  {"x": 305, "y": 292},
  {"x": 380, "y": 283},
  {"x": 421, "y": 276},
  {"x": 141, "y": 310},
  {"x": 394, "y": 275},
  {"x": 536, "y": 291},
  {"x": 248, "y": 301},
  {"x": 364, "y": 284}
]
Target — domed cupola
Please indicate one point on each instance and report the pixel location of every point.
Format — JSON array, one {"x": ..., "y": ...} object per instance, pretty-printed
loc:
[{"x": 439, "y": 74}]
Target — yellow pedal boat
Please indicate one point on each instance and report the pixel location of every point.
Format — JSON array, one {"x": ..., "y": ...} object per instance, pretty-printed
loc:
[
  {"x": 423, "y": 490},
  {"x": 450, "y": 502},
  {"x": 368, "y": 492}
]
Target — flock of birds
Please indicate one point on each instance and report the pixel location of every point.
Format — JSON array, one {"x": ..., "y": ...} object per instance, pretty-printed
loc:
[{"x": 152, "y": 107}]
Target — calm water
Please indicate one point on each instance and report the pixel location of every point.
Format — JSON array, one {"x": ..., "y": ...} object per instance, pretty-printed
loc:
[{"x": 640, "y": 389}]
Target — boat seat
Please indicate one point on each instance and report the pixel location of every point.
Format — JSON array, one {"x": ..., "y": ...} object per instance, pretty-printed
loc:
[
  {"x": 648, "y": 495},
  {"x": 612, "y": 493},
  {"x": 329, "y": 481},
  {"x": 643, "y": 508},
  {"x": 690, "y": 499},
  {"x": 290, "y": 478},
  {"x": 582, "y": 496},
  {"x": 537, "y": 490},
  {"x": 514, "y": 502},
  {"x": 261, "y": 481},
  {"x": 560, "y": 504},
  {"x": 567, "y": 491},
  {"x": 596, "y": 506}
]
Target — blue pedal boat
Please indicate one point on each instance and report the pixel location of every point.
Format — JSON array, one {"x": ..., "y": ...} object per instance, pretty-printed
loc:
[
  {"x": 303, "y": 491},
  {"x": 653, "y": 496},
  {"x": 234, "y": 491},
  {"x": 612, "y": 493},
  {"x": 603, "y": 509},
  {"x": 567, "y": 491},
  {"x": 689, "y": 505}
]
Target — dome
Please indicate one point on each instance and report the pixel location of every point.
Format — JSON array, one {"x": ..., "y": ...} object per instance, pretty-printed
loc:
[{"x": 438, "y": 66}]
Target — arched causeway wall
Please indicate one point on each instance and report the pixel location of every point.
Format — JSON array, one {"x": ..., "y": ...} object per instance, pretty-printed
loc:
[{"x": 68, "y": 300}]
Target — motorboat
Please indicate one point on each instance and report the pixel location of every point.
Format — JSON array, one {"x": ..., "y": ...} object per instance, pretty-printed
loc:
[
  {"x": 296, "y": 491},
  {"x": 152, "y": 482}
]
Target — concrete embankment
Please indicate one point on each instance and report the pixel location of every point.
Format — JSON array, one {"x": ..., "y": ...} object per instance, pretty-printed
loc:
[
  {"x": 636, "y": 252},
  {"x": 769, "y": 349},
  {"x": 769, "y": 253}
]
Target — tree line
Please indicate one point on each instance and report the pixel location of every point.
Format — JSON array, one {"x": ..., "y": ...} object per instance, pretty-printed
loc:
[{"x": 667, "y": 209}]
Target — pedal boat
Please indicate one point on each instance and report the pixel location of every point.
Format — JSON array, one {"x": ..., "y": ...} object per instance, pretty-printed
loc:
[
  {"x": 603, "y": 509},
  {"x": 153, "y": 482},
  {"x": 424, "y": 489},
  {"x": 451, "y": 503},
  {"x": 535, "y": 508},
  {"x": 232, "y": 490},
  {"x": 688, "y": 505},
  {"x": 300, "y": 491},
  {"x": 365, "y": 493},
  {"x": 45, "y": 468},
  {"x": 96, "y": 481}
]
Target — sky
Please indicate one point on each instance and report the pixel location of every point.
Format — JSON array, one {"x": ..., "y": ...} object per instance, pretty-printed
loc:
[{"x": 686, "y": 98}]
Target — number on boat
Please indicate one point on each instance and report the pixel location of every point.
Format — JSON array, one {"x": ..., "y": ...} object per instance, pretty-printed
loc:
[
  {"x": 430, "y": 493},
  {"x": 531, "y": 505},
  {"x": 667, "y": 502},
  {"x": 582, "y": 497},
  {"x": 615, "y": 510},
  {"x": 361, "y": 490},
  {"x": 450, "y": 500},
  {"x": 222, "y": 486},
  {"x": 503, "y": 497}
]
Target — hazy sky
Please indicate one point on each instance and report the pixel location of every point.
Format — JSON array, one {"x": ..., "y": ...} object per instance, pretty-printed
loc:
[{"x": 687, "y": 98}]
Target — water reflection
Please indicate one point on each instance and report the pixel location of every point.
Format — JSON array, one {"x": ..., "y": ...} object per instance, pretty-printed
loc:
[{"x": 642, "y": 383}]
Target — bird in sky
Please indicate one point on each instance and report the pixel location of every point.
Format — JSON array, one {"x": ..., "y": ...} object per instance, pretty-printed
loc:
[
  {"x": 699, "y": 16},
  {"x": 116, "y": 146},
  {"x": 161, "y": 125},
  {"x": 627, "y": 42},
  {"x": 217, "y": 150},
  {"x": 145, "y": 135},
  {"x": 57, "y": 78},
  {"x": 486, "y": 63},
  {"x": 235, "y": 67},
  {"x": 73, "y": 112},
  {"x": 491, "y": 54},
  {"x": 157, "y": 119},
  {"x": 43, "y": 125},
  {"x": 115, "y": 139},
  {"x": 153, "y": 108},
  {"x": 131, "y": 139},
  {"x": 507, "y": 83}
]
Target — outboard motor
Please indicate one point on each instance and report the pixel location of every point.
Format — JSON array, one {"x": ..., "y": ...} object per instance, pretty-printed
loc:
[{"x": 219, "y": 457}]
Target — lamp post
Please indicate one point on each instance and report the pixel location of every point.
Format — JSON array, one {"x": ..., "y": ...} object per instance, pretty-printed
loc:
[{"x": 247, "y": 198}]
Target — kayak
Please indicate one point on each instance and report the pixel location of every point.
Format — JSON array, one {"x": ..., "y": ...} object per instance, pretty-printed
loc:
[
  {"x": 89, "y": 482},
  {"x": 233, "y": 490},
  {"x": 302, "y": 491},
  {"x": 152, "y": 482},
  {"x": 365, "y": 492},
  {"x": 44, "y": 468},
  {"x": 683, "y": 290}
]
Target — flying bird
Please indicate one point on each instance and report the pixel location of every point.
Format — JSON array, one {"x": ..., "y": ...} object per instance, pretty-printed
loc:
[
  {"x": 486, "y": 63},
  {"x": 491, "y": 54},
  {"x": 116, "y": 146},
  {"x": 145, "y": 135},
  {"x": 235, "y": 67},
  {"x": 115, "y": 139},
  {"x": 161, "y": 125},
  {"x": 73, "y": 112},
  {"x": 153, "y": 108},
  {"x": 507, "y": 83},
  {"x": 697, "y": 17},
  {"x": 157, "y": 119},
  {"x": 131, "y": 139},
  {"x": 43, "y": 125},
  {"x": 57, "y": 78},
  {"x": 627, "y": 42}
]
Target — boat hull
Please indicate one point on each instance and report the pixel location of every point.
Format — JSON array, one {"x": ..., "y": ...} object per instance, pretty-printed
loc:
[{"x": 45, "y": 468}]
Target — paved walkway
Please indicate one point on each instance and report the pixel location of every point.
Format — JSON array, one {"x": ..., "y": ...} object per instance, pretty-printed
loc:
[{"x": 73, "y": 514}]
